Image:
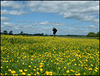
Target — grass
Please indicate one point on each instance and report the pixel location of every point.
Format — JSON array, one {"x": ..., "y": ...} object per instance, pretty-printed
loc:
[
  {"x": 34, "y": 55},
  {"x": 79, "y": 37}
]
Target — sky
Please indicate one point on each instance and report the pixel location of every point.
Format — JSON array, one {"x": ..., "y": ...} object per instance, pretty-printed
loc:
[{"x": 68, "y": 17}]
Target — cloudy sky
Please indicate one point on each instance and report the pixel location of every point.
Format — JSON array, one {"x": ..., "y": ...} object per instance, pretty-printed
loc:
[{"x": 69, "y": 17}]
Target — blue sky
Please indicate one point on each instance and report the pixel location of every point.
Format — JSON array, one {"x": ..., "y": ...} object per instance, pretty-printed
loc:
[{"x": 69, "y": 17}]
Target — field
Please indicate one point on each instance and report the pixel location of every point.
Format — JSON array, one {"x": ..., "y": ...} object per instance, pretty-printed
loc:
[{"x": 34, "y": 55}]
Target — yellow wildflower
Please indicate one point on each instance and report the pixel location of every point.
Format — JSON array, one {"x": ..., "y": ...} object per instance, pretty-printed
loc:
[
  {"x": 64, "y": 67},
  {"x": 41, "y": 63},
  {"x": 29, "y": 66},
  {"x": 91, "y": 64},
  {"x": 41, "y": 69},
  {"x": 1, "y": 67},
  {"x": 34, "y": 66},
  {"x": 57, "y": 63},
  {"x": 23, "y": 73},
  {"x": 48, "y": 73},
  {"x": 9, "y": 69},
  {"x": 28, "y": 74},
  {"x": 90, "y": 69},
  {"x": 67, "y": 71},
  {"x": 34, "y": 74},
  {"x": 34, "y": 69},
  {"x": 6, "y": 66},
  {"x": 72, "y": 70},
  {"x": 75, "y": 64},
  {"x": 41, "y": 66},
  {"x": 77, "y": 74},
  {"x": 20, "y": 70},
  {"x": 12, "y": 71},
  {"x": 23, "y": 63},
  {"x": 25, "y": 70},
  {"x": 68, "y": 63},
  {"x": 85, "y": 67},
  {"x": 95, "y": 70},
  {"x": 32, "y": 59},
  {"x": 1, "y": 74},
  {"x": 5, "y": 73},
  {"x": 15, "y": 74},
  {"x": 84, "y": 73},
  {"x": 58, "y": 67},
  {"x": 37, "y": 68},
  {"x": 37, "y": 72}
]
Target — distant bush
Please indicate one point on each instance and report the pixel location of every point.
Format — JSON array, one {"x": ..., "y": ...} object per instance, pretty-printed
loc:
[{"x": 92, "y": 34}]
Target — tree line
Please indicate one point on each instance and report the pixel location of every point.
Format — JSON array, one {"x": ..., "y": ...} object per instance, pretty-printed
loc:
[
  {"x": 90, "y": 34},
  {"x": 21, "y": 33}
]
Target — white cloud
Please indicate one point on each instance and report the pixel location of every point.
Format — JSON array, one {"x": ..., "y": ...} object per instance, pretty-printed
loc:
[
  {"x": 16, "y": 12},
  {"x": 91, "y": 27},
  {"x": 52, "y": 23},
  {"x": 44, "y": 23},
  {"x": 96, "y": 21},
  {"x": 94, "y": 27},
  {"x": 5, "y": 19},
  {"x": 80, "y": 10},
  {"x": 27, "y": 21},
  {"x": 4, "y": 12},
  {"x": 13, "y": 12},
  {"x": 33, "y": 5},
  {"x": 12, "y": 4},
  {"x": 7, "y": 24}
]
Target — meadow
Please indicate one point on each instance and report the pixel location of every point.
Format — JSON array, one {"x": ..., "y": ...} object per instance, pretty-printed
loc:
[{"x": 35, "y": 55}]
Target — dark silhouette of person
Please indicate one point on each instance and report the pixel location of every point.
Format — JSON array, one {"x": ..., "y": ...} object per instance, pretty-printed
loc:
[{"x": 54, "y": 31}]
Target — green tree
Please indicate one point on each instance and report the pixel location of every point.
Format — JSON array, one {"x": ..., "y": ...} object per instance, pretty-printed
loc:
[
  {"x": 98, "y": 34},
  {"x": 10, "y": 33},
  {"x": 5, "y": 32},
  {"x": 21, "y": 32},
  {"x": 42, "y": 34},
  {"x": 91, "y": 34}
]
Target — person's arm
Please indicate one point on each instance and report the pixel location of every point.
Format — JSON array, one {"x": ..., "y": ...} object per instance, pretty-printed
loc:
[
  {"x": 56, "y": 30},
  {"x": 52, "y": 29}
]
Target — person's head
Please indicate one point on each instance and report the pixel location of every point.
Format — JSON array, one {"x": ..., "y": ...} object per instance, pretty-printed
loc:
[{"x": 53, "y": 27}]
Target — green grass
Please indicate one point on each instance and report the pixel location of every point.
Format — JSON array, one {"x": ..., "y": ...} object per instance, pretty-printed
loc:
[
  {"x": 79, "y": 37},
  {"x": 20, "y": 52}
]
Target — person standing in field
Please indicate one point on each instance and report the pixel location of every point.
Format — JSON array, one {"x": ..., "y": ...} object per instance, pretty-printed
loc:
[{"x": 54, "y": 31}]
